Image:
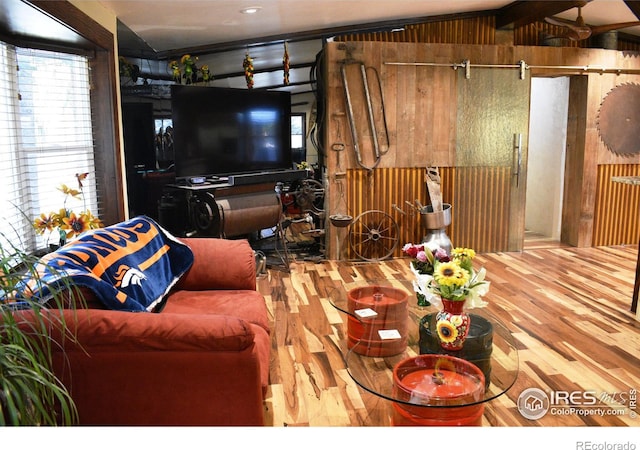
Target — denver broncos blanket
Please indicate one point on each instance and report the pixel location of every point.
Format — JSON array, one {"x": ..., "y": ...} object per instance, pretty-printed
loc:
[{"x": 130, "y": 266}]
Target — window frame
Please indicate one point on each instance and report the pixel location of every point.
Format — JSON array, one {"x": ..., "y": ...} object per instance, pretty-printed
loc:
[
  {"x": 90, "y": 38},
  {"x": 303, "y": 118}
]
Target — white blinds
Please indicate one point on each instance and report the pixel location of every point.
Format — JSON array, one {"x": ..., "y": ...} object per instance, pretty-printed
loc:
[{"x": 46, "y": 121}]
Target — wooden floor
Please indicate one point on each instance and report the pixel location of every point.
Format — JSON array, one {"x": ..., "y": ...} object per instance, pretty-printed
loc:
[{"x": 567, "y": 308}]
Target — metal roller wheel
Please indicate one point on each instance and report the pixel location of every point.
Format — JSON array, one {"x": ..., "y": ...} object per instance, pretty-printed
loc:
[
  {"x": 373, "y": 235},
  {"x": 205, "y": 216}
]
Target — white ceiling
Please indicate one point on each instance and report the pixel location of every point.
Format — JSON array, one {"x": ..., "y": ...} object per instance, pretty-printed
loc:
[
  {"x": 167, "y": 25},
  {"x": 172, "y": 26}
]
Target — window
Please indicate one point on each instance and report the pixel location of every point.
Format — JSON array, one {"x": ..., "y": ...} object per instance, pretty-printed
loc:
[
  {"x": 164, "y": 142},
  {"x": 45, "y": 116},
  {"x": 298, "y": 137}
]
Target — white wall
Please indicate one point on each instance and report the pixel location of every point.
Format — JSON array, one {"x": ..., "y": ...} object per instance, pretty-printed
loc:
[
  {"x": 547, "y": 144},
  {"x": 305, "y": 104}
]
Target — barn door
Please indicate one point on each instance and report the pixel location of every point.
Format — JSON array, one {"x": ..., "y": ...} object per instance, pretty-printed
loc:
[{"x": 489, "y": 189}]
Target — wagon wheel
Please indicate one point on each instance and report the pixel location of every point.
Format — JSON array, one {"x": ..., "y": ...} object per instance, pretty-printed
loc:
[{"x": 373, "y": 235}]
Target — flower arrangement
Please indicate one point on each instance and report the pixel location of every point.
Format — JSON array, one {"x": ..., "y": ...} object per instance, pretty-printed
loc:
[
  {"x": 286, "y": 64},
  {"x": 128, "y": 69},
  {"x": 452, "y": 277},
  {"x": 66, "y": 222},
  {"x": 189, "y": 71},
  {"x": 247, "y": 65}
]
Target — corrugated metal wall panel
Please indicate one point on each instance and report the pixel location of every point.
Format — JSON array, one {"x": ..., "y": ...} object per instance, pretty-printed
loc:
[
  {"x": 479, "y": 197},
  {"x": 380, "y": 190},
  {"x": 480, "y": 215},
  {"x": 617, "y": 212}
]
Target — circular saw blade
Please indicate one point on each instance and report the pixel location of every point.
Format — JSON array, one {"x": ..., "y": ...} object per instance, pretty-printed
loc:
[{"x": 619, "y": 119}]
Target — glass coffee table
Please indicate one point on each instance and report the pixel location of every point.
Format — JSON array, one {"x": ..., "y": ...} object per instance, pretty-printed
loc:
[{"x": 392, "y": 350}]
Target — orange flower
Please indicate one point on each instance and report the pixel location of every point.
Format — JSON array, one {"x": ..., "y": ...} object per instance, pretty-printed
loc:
[
  {"x": 45, "y": 223},
  {"x": 93, "y": 221},
  {"x": 74, "y": 225},
  {"x": 69, "y": 191}
]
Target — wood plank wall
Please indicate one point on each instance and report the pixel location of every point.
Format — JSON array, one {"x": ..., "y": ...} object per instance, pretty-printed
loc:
[
  {"x": 423, "y": 132},
  {"x": 480, "y": 30}
]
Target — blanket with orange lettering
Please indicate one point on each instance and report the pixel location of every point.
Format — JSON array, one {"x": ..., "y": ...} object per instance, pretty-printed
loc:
[{"x": 130, "y": 266}]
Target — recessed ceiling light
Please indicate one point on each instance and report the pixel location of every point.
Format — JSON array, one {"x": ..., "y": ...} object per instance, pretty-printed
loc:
[{"x": 251, "y": 10}]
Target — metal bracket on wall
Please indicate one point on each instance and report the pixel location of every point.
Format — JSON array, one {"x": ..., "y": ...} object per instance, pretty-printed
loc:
[
  {"x": 378, "y": 152},
  {"x": 521, "y": 66}
]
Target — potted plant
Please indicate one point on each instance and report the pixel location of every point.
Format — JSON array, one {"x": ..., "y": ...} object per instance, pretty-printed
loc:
[{"x": 30, "y": 392}]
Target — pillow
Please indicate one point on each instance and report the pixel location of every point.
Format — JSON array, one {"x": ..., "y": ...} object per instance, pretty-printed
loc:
[{"x": 130, "y": 266}]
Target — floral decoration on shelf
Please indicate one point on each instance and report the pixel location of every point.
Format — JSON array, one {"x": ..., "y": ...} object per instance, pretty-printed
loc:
[
  {"x": 286, "y": 64},
  {"x": 303, "y": 165},
  {"x": 206, "y": 74},
  {"x": 247, "y": 65},
  {"x": 66, "y": 222},
  {"x": 189, "y": 72},
  {"x": 128, "y": 69},
  {"x": 190, "y": 68},
  {"x": 452, "y": 277}
]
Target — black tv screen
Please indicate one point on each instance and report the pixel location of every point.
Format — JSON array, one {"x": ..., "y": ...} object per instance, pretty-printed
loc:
[{"x": 226, "y": 131}]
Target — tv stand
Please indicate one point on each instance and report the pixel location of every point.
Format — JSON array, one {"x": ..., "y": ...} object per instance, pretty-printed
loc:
[
  {"x": 266, "y": 177},
  {"x": 244, "y": 179},
  {"x": 231, "y": 206}
]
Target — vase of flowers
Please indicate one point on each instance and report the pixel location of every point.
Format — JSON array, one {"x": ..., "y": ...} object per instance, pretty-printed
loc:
[
  {"x": 449, "y": 282},
  {"x": 452, "y": 324}
]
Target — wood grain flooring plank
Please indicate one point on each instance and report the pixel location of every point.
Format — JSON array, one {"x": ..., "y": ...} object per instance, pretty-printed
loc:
[{"x": 567, "y": 309}]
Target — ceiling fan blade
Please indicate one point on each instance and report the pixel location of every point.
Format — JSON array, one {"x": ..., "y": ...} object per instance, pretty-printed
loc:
[
  {"x": 559, "y": 22},
  {"x": 571, "y": 30},
  {"x": 634, "y": 6},
  {"x": 613, "y": 26},
  {"x": 578, "y": 33}
]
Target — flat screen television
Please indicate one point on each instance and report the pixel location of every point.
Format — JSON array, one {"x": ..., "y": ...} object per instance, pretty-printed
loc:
[{"x": 227, "y": 131}]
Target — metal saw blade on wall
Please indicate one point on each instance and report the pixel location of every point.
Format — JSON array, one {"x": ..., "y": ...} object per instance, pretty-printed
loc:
[{"x": 619, "y": 119}]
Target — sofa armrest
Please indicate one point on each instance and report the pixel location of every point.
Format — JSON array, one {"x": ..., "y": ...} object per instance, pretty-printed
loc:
[
  {"x": 219, "y": 264},
  {"x": 94, "y": 330}
]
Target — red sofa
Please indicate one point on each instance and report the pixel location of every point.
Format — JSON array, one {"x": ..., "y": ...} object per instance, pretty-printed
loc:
[{"x": 202, "y": 360}]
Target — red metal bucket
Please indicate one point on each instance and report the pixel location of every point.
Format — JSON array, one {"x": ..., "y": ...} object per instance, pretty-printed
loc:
[
  {"x": 440, "y": 390},
  {"x": 377, "y": 324}
]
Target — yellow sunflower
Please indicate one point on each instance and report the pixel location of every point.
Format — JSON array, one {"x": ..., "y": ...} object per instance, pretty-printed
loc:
[
  {"x": 446, "y": 331},
  {"x": 451, "y": 274},
  {"x": 463, "y": 253}
]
